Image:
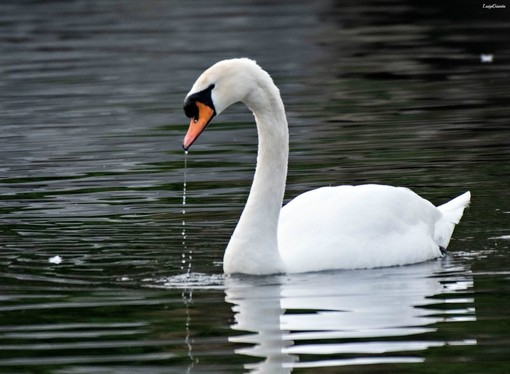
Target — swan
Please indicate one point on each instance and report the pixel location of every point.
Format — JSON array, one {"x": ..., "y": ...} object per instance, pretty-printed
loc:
[{"x": 343, "y": 227}]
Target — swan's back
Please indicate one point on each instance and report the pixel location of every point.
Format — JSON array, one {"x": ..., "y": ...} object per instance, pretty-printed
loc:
[{"x": 353, "y": 227}]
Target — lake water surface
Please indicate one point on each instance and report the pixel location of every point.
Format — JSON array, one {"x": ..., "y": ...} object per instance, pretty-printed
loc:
[{"x": 92, "y": 171}]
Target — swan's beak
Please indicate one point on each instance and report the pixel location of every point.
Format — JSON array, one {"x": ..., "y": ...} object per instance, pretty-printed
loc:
[{"x": 198, "y": 123}]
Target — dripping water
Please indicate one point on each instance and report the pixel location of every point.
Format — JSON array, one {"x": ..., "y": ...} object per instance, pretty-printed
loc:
[
  {"x": 187, "y": 254},
  {"x": 186, "y": 258}
]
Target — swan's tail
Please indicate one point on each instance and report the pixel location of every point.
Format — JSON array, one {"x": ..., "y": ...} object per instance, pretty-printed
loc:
[{"x": 451, "y": 214}]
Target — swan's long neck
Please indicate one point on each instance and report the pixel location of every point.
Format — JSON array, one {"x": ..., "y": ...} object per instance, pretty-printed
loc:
[{"x": 253, "y": 248}]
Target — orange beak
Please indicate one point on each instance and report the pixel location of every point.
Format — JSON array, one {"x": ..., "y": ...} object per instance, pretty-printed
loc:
[{"x": 198, "y": 124}]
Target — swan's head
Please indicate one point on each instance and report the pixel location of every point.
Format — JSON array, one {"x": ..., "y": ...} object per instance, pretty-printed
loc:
[{"x": 220, "y": 86}]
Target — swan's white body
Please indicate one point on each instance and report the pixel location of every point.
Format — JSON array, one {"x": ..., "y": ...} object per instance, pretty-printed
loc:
[{"x": 345, "y": 227}]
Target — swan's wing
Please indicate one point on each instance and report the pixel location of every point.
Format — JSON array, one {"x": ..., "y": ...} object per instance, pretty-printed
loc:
[{"x": 349, "y": 227}]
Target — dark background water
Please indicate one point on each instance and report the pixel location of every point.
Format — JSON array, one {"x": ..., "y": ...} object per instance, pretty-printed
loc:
[{"x": 91, "y": 170}]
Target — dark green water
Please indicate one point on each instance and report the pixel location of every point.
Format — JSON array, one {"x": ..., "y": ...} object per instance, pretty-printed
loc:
[{"x": 91, "y": 170}]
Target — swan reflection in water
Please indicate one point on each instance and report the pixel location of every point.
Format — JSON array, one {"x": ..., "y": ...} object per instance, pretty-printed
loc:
[{"x": 347, "y": 317}]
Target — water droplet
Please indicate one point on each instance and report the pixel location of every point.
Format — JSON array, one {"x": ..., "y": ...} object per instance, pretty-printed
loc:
[{"x": 187, "y": 253}]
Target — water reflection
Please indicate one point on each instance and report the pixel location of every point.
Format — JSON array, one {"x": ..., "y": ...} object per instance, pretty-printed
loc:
[{"x": 347, "y": 317}]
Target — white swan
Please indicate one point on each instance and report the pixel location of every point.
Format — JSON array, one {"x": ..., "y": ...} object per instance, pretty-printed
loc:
[{"x": 345, "y": 227}]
